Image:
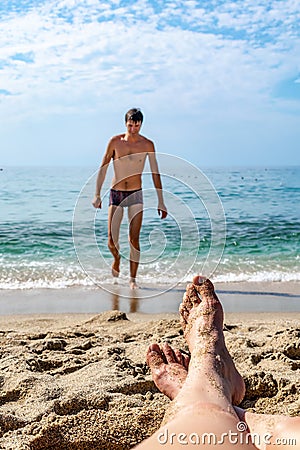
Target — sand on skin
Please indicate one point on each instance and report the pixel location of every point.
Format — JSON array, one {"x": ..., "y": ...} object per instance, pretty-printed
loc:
[{"x": 75, "y": 381}]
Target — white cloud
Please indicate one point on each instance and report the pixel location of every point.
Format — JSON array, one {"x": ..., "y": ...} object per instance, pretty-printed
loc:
[
  {"x": 102, "y": 43},
  {"x": 185, "y": 55}
]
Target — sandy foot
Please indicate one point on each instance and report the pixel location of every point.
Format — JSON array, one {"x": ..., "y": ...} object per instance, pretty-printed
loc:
[{"x": 168, "y": 368}]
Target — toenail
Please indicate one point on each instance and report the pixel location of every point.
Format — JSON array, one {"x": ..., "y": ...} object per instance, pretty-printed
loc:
[{"x": 199, "y": 279}]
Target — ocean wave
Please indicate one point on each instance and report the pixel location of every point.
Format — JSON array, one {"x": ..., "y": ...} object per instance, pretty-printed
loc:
[
  {"x": 262, "y": 276},
  {"x": 45, "y": 284},
  {"x": 71, "y": 279}
]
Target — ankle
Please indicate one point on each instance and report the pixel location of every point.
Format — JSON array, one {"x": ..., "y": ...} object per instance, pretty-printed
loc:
[{"x": 132, "y": 283}]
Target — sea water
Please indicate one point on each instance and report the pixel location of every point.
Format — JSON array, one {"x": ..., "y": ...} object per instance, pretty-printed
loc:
[{"x": 231, "y": 224}]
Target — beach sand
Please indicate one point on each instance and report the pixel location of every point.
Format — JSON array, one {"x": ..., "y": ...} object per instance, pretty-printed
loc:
[{"x": 79, "y": 380}]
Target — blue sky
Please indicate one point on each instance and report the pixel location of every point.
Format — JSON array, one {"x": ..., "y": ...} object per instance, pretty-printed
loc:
[{"x": 218, "y": 81}]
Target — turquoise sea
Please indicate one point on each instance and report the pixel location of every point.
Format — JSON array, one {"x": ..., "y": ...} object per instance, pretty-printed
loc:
[{"x": 231, "y": 224}]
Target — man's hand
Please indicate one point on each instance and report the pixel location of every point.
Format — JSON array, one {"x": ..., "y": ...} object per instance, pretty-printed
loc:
[
  {"x": 97, "y": 203},
  {"x": 162, "y": 211}
]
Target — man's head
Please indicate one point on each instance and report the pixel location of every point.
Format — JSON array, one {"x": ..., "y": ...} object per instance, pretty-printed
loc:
[{"x": 135, "y": 115}]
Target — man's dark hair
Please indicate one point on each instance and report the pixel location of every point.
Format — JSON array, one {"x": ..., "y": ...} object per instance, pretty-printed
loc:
[{"x": 134, "y": 114}]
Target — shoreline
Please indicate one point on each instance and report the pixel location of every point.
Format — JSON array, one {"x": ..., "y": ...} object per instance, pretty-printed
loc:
[{"x": 235, "y": 297}]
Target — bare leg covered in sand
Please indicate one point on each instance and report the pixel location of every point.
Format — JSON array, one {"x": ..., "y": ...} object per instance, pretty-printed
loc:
[
  {"x": 203, "y": 397},
  {"x": 169, "y": 369}
]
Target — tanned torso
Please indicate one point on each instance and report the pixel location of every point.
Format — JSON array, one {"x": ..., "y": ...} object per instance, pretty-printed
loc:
[{"x": 129, "y": 158}]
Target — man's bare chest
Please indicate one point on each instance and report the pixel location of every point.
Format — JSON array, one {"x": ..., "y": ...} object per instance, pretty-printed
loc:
[{"x": 125, "y": 148}]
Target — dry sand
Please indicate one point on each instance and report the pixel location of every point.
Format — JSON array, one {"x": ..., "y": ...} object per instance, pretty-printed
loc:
[{"x": 79, "y": 381}]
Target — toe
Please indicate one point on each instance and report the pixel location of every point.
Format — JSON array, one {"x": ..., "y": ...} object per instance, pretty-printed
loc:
[
  {"x": 169, "y": 353},
  {"x": 203, "y": 285},
  {"x": 191, "y": 297},
  {"x": 199, "y": 279},
  {"x": 179, "y": 356},
  {"x": 184, "y": 314},
  {"x": 154, "y": 356},
  {"x": 186, "y": 361}
]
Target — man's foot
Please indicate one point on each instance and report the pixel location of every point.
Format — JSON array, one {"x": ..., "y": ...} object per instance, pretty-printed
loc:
[
  {"x": 115, "y": 268},
  {"x": 202, "y": 321},
  {"x": 132, "y": 283},
  {"x": 168, "y": 368}
]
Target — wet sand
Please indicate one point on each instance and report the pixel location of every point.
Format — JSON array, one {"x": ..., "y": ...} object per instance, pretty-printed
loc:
[
  {"x": 79, "y": 380},
  {"x": 236, "y": 297}
]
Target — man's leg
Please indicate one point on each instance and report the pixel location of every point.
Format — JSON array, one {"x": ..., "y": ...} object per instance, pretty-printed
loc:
[
  {"x": 203, "y": 407},
  {"x": 275, "y": 431},
  {"x": 115, "y": 216},
  {"x": 169, "y": 369},
  {"x": 201, "y": 315},
  {"x": 135, "y": 218}
]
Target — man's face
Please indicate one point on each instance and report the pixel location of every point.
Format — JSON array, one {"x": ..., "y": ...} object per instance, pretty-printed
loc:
[{"x": 133, "y": 127}]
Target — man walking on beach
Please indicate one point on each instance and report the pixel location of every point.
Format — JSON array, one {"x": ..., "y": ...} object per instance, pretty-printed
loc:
[{"x": 128, "y": 152}]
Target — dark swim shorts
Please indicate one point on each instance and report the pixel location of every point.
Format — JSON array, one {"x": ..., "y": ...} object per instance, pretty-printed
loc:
[{"x": 125, "y": 198}]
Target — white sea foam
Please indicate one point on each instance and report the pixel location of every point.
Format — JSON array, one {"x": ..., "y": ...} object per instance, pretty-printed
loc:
[
  {"x": 70, "y": 279},
  {"x": 262, "y": 276}
]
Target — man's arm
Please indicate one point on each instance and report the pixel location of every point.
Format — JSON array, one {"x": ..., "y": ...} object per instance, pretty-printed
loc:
[
  {"x": 161, "y": 209},
  {"x": 97, "y": 203}
]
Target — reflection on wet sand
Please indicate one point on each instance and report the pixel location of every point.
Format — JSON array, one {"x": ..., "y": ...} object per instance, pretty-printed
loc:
[{"x": 133, "y": 304}]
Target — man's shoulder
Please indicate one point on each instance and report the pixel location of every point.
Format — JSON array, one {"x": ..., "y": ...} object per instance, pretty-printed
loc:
[
  {"x": 147, "y": 141},
  {"x": 118, "y": 137}
]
